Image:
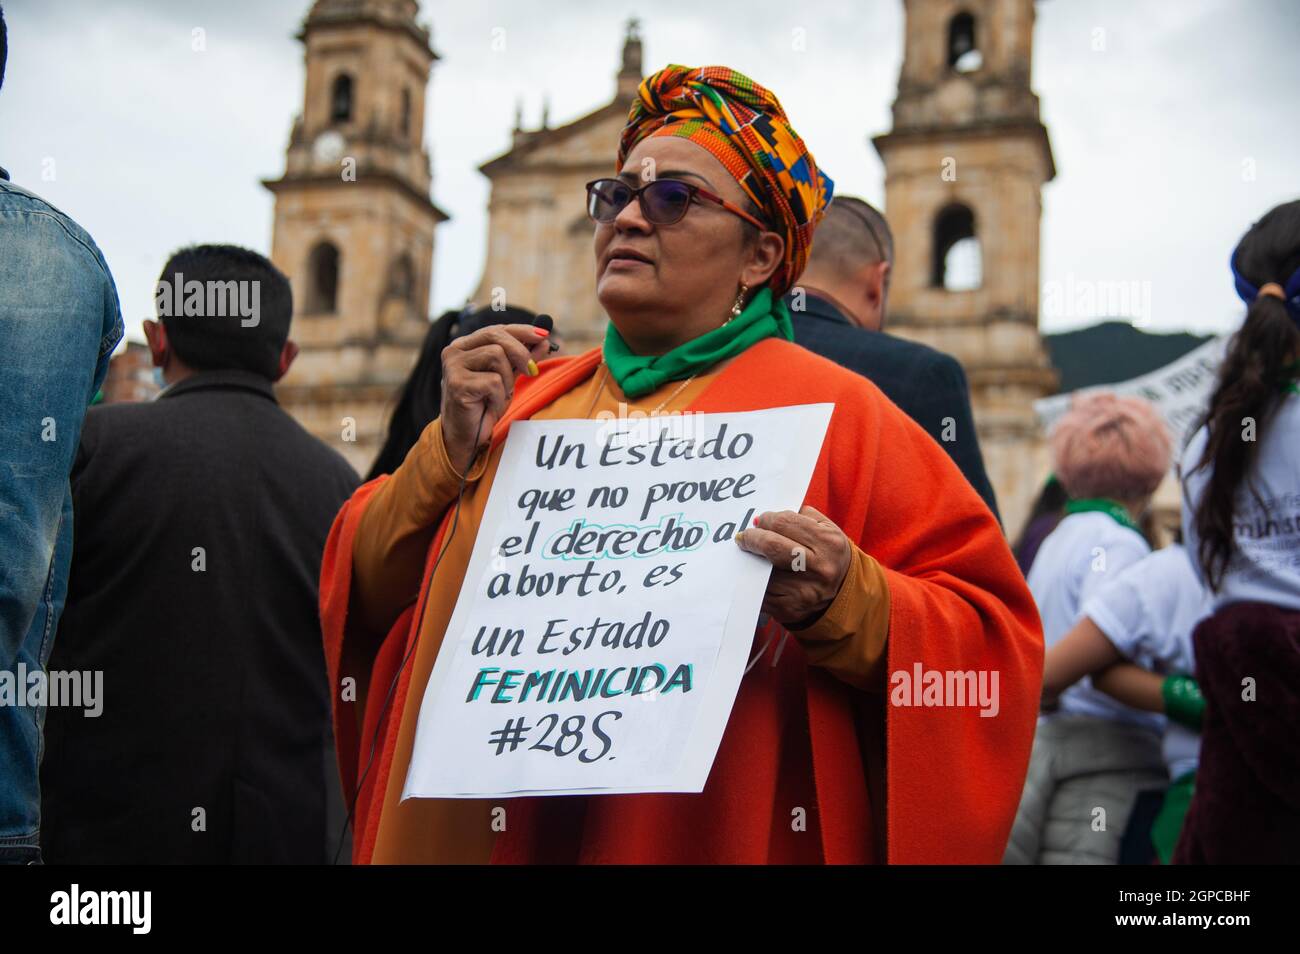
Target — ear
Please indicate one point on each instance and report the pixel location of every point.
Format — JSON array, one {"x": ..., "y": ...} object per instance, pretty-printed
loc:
[
  {"x": 886, "y": 269},
  {"x": 287, "y": 354},
  {"x": 875, "y": 279},
  {"x": 155, "y": 333},
  {"x": 765, "y": 256}
]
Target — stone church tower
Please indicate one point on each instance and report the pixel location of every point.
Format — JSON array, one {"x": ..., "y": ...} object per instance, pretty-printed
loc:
[
  {"x": 354, "y": 225},
  {"x": 964, "y": 167},
  {"x": 539, "y": 237}
]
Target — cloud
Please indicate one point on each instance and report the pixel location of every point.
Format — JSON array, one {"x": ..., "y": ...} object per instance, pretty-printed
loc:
[{"x": 155, "y": 145}]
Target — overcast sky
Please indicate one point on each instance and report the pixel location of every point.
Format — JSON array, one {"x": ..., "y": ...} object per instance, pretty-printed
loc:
[{"x": 1169, "y": 139}]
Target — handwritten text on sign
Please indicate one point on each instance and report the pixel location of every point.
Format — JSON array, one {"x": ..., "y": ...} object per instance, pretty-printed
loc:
[{"x": 607, "y": 613}]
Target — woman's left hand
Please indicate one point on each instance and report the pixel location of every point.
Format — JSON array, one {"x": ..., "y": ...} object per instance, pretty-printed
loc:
[{"x": 810, "y": 557}]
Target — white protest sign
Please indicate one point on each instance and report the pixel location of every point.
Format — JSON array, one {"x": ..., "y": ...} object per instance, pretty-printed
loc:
[
  {"x": 607, "y": 613},
  {"x": 1180, "y": 390}
]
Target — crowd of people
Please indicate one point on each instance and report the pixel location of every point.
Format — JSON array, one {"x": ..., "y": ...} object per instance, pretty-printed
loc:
[
  {"x": 256, "y": 625},
  {"x": 1170, "y": 676}
]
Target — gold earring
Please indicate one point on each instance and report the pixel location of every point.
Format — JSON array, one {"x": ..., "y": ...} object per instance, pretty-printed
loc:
[{"x": 739, "y": 304}]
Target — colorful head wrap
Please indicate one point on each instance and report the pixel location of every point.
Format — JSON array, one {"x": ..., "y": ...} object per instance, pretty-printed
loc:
[{"x": 744, "y": 126}]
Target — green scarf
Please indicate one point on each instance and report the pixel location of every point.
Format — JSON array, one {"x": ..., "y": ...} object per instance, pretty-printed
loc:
[
  {"x": 1289, "y": 375},
  {"x": 1111, "y": 508},
  {"x": 639, "y": 374}
]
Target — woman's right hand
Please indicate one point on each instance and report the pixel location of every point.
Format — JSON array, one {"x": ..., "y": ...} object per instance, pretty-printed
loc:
[{"x": 479, "y": 371}]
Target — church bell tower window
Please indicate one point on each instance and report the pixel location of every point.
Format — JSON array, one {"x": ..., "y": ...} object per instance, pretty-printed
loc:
[
  {"x": 401, "y": 279},
  {"x": 963, "y": 55},
  {"x": 323, "y": 280},
  {"x": 958, "y": 260},
  {"x": 341, "y": 99}
]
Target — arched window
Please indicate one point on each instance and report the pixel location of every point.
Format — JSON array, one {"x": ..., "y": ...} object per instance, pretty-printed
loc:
[
  {"x": 963, "y": 55},
  {"x": 397, "y": 308},
  {"x": 958, "y": 261},
  {"x": 341, "y": 99},
  {"x": 322, "y": 280},
  {"x": 401, "y": 279},
  {"x": 405, "y": 121}
]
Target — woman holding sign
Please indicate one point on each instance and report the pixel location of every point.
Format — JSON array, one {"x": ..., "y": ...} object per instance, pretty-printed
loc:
[{"x": 844, "y": 743}]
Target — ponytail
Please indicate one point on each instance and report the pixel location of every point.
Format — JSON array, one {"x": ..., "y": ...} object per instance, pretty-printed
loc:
[{"x": 1250, "y": 382}]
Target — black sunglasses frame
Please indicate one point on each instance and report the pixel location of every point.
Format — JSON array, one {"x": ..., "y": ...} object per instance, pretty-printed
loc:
[{"x": 696, "y": 193}]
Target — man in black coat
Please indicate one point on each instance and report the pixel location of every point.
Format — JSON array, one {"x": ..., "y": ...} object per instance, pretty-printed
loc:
[
  {"x": 838, "y": 309},
  {"x": 200, "y": 520}
]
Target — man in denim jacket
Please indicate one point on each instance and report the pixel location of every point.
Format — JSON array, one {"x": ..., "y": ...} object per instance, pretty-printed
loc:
[{"x": 59, "y": 322}]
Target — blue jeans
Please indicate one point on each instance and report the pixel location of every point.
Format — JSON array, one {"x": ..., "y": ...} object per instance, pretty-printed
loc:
[{"x": 59, "y": 323}]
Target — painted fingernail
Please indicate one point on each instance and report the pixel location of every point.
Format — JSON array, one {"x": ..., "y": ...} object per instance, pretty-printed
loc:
[
  {"x": 542, "y": 332},
  {"x": 532, "y": 368}
]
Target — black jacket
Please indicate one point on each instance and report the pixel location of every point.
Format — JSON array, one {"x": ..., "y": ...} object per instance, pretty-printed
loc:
[
  {"x": 200, "y": 520},
  {"x": 927, "y": 385}
]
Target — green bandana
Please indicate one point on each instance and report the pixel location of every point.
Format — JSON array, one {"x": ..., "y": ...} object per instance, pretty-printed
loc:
[
  {"x": 1109, "y": 507},
  {"x": 1184, "y": 702},
  {"x": 639, "y": 374}
]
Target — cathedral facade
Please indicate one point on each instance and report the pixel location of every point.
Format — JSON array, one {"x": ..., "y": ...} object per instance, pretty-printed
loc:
[{"x": 539, "y": 252}]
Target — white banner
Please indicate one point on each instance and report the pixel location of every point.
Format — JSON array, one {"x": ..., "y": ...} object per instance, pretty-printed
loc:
[
  {"x": 1180, "y": 390},
  {"x": 607, "y": 613}
]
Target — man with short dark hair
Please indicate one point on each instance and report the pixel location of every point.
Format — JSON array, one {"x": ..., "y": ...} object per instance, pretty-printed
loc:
[
  {"x": 838, "y": 310},
  {"x": 59, "y": 322},
  {"x": 245, "y": 303},
  {"x": 201, "y": 520}
]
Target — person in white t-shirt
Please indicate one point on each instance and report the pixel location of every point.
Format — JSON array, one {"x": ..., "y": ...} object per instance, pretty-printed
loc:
[
  {"x": 1135, "y": 640},
  {"x": 1241, "y": 523},
  {"x": 1091, "y": 754}
]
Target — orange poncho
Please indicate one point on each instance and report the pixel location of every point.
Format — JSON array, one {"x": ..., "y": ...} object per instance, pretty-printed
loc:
[{"x": 957, "y": 603}]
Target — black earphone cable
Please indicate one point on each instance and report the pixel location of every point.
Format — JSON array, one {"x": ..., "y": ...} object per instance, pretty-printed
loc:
[{"x": 392, "y": 689}]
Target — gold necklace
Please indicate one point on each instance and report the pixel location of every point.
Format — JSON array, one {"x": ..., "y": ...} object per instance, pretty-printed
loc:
[
  {"x": 665, "y": 402},
  {"x": 604, "y": 379}
]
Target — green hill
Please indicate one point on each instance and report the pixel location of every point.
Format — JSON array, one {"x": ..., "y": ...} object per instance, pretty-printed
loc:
[{"x": 1114, "y": 351}]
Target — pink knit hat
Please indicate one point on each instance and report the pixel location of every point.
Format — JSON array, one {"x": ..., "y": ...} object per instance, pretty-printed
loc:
[{"x": 1110, "y": 446}]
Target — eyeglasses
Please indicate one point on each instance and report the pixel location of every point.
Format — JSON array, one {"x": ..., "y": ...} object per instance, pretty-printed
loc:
[{"x": 663, "y": 202}]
